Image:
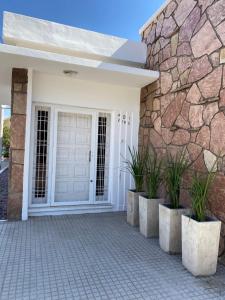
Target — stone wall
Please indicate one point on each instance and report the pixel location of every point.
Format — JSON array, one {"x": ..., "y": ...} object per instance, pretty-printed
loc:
[
  {"x": 17, "y": 142},
  {"x": 185, "y": 108}
]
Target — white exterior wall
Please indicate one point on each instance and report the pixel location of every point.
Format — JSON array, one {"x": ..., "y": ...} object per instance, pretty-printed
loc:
[{"x": 122, "y": 102}]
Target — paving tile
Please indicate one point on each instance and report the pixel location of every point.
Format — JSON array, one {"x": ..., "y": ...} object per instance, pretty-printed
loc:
[{"x": 95, "y": 256}]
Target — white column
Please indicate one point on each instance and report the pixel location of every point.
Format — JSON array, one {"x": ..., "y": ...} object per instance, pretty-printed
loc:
[{"x": 27, "y": 148}]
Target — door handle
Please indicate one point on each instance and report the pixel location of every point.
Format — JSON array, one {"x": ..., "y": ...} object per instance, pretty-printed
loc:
[{"x": 90, "y": 156}]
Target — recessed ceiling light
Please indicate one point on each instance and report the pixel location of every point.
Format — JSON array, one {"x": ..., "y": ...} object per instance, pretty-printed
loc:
[{"x": 70, "y": 72}]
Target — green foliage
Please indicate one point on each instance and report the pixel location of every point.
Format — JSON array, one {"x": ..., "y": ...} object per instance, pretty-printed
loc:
[
  {"x": 6, "y": 137},
  {"x": 136, "y": 167},
  {"x": 154, "y": 175},
  {"x": 175, "y": 168},
  {"x": 199, "y": 192}
]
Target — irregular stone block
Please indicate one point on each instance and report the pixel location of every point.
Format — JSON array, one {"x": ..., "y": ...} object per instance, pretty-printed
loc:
[
  {"x": 216, "y": 12},
  {"x": 211, "y": 84},
  {"x": 200, "y": 68},
  {"x": 209, "y": 41},
  {"x": 183, "y": 10}
]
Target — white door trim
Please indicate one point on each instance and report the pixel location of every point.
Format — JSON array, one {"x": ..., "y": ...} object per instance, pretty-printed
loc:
[{"x": 54, "y": 109}]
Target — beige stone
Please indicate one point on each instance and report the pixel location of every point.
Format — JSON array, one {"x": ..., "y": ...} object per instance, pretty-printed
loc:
[
  {"x": 18, "y": 123},
  {"x": 17, "y": 156},
  {"x": 156, "y": 105},
  {"x": 16, "y": 182},
  {"x": 166, "y": 82},
  {"x": 174, "y": 44},
  {"x": 222, "y": 56},
  {"x": 210, "y": 161},
  {"x": 18, "y": 87},
  {"x": 19, "y": 103},
  {"x": 14, "y": 210}
]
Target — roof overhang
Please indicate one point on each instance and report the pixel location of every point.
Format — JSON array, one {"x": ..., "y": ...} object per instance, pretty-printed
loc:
[
  {"x": 28, "y": 32},
  {"x": 54, "y": 63}
]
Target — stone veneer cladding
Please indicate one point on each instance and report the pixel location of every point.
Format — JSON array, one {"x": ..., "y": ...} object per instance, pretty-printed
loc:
[
  {"x": 17, "y": 142},
  {"x": 185, "y": 108}
]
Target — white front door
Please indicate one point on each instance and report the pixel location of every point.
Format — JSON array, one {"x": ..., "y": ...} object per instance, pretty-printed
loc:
[{"x": 73, "y": 158}]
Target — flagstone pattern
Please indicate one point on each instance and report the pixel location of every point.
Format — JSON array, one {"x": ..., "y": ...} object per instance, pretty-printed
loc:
[{"x": 185, "y": 108}]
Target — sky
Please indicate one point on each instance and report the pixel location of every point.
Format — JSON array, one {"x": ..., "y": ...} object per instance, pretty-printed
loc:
[
  {"x": 122, "y": 18},
  {"x": 6, "y": 113},
  {"x": 116, "y": 17}
]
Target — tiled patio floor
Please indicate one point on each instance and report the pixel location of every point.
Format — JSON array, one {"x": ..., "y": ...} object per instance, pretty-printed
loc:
[{"x": 93, "y": 257}]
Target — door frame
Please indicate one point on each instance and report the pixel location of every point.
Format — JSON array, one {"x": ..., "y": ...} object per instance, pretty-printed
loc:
[
  {"x": 52, "y": 150},
  {"x": 57, "y": 110}
]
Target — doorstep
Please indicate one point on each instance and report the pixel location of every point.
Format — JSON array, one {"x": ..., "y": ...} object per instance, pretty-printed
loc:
[{"x": 69, "y": 210}]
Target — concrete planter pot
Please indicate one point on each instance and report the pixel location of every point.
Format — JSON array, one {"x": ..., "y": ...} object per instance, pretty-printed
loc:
[
  {"x": 170, "y": 228},
  {"x": 133, "y": 207},
  {"x": 149, "y": 216},
  {"x": 200, "y": 245}
]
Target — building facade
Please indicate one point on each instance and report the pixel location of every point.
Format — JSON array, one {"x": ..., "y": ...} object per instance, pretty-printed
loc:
[{"x": 184, "y": 109}]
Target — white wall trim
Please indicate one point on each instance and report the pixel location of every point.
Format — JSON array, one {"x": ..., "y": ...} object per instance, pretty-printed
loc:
[{"x": 27, "y": 148}]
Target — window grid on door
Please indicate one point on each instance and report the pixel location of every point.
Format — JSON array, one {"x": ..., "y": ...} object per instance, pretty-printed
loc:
[
  {"x": 41, "y": 150},
  {"x": 103, "y": 153}
]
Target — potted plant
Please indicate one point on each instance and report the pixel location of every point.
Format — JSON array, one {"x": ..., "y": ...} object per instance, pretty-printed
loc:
[
  {"x": 200, "y": 233},
  {"x": 149, "y": 204},
  {"x": 170, "y": 214},
  {"x": 136, "y": 167}
]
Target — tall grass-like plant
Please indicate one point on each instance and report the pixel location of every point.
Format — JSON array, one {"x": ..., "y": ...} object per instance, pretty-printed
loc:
[
  {"x": 199, "y": 192},
  {"x": 175, "y": 168},
  {"x": 136, "y": 166},
  {"x": 154, "y": 175}
]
